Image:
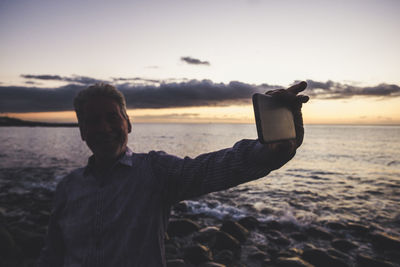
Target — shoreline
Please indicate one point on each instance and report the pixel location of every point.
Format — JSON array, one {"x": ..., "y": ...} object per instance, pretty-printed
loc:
[{"x": 13, "y": 122}]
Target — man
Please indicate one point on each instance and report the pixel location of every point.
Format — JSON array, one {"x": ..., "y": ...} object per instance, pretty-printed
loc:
[{"x": 114, "y": 211}]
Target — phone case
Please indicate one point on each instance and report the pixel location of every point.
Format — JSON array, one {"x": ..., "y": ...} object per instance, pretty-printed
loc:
[{"x": 274, "y": 121}]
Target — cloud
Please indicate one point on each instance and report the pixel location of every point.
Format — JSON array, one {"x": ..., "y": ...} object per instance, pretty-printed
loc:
[
  {"x": 73, "y": 79},
  {"x": 152, "y": 93},
  {"x": 335, "y": 90},
  {"x": 42, "y": 77},
  {"x": 34, "y": 99},
  {"x": 164, "y": 95},
  {"x": 184, "y": 94},
  {"x": 136, "y": 79},
  {"x": 194, "y": 61},
  {"x": 30, "y": 82}
]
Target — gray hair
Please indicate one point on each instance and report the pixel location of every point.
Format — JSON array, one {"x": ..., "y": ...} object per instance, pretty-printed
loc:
[{"x": 96, "y": 90}]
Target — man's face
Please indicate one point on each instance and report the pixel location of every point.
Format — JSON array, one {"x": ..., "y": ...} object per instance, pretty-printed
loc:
[{"x": 104, "y": 128}]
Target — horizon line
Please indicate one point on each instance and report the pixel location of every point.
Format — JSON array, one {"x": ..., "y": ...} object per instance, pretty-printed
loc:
[{"x": 189, "y": 122}]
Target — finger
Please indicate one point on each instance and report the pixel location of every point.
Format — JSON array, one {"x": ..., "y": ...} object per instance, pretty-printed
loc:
[
  {"x": 297, "y": 88},
  {"x": 285, "y": 98},
  {"x": 302, "y": 98},
  {"x": 289, "y": 99},
  {"x": 299, "y": 101},
  {"x": 284, "y": 93},
  {"x": 275, "y": 92},
  {"x": 298, "y": 124}
]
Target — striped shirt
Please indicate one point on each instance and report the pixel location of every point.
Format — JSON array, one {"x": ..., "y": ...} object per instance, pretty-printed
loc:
[{"x": 120, "y": 219}]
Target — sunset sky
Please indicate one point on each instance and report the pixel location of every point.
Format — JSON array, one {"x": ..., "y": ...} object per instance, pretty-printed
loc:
[{"x": 200, "y": 61}]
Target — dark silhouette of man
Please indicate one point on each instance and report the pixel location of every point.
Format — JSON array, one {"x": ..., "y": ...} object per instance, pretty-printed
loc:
[{"x": 115, "y": 210}]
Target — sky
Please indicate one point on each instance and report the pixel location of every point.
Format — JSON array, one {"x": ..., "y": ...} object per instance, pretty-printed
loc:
[{"x": 200, "y": 61}]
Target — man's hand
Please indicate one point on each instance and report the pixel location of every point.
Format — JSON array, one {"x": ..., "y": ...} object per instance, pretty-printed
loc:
[
  {"x": 294, "y": 102},
  {"x": 283, "y": 151}
]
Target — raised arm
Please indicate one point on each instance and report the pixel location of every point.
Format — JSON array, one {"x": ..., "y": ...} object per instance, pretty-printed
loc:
[
  {"x": 191, "y": 177},
  {"x": 247, "y": 160}
]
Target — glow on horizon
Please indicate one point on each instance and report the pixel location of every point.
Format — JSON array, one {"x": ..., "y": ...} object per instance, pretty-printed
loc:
[{"x": 349, "y": 111}]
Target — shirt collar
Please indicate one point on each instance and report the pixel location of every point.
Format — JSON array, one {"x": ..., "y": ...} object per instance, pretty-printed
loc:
[{"x": 125, "y": 159}]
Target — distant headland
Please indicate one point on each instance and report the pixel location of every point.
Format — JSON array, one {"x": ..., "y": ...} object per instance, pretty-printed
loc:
[{"x": 7, "y": 122}]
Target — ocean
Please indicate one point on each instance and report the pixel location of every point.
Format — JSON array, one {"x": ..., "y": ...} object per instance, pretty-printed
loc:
[{"x": 345, "y": 174}]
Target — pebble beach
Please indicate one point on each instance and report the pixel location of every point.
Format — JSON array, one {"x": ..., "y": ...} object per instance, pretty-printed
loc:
[{"x": 202, "y": 240}]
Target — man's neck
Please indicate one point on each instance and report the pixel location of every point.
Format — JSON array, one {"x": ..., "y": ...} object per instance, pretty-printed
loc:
[{"x": 103, "y": 165}]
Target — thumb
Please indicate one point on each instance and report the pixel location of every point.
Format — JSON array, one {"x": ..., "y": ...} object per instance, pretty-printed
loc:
[{"x": 297, "y": 88}]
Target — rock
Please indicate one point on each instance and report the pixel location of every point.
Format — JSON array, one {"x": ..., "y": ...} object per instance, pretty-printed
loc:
[
  {"x": 255, "y": 253},
  {"x": 281, "y": 241},
  {"x": 262, "y": 247},
  {"x": 319, "y": 257},
  {"x": 273, "y": 225},
  {"x": 278, "y": 238},
  {"x": 47, "y": 194},
  {"x": 393, "y": 255},
  {"x": 211, "y": 264},
  {"x": 226, "y": 241},
  {"x": 308, "y": 246},
  {"x": 171, "y": 251},
  {"x": 8, "y": 247},
  {"x": 343, "y": 245},
  {"x": 367, "y": 261},
  {"x": 336, "y": 225},
  {"x": 182, "y": 227},
  {"x": 273, "y": 252},
  {"x": 206, "y": 235},
  {"x": 197, "y": 254},
  {"x": 338, "y": 254},
  {"x": 268, "y": 263},
  {"x": 385, "y": 241},
  {"x": 357, "y": 228},
  {"x": 292, "y": 262},
  {"x": 176, "y": 263},
  {"x": 181, "y": 207},
  {"x": 249, "y": 222},
  {"x": 41, "y": 217},
  {"x": 295, "y": 251},
  {"x": 290, "y": 227},
  {"x": 284, "y": 254},
  {"x": 30, "y": 243},
  {"x": 266, "y": 211},
  {"x": 224, "y": 256},
  {"x": 299, "y": 236},
  {"x": 236, "y": 230},
  {"x": 319, "y": 232},
  {"x": 273, "y": 233}
]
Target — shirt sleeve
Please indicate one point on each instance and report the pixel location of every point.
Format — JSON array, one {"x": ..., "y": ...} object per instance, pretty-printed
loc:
[
  {"x": 191, "y": 177},
  {"x": 52, "y": 254}
]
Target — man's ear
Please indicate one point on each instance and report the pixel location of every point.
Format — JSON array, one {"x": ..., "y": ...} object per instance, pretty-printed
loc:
[
  {"x": 81, "y": 131},
  {"x": 129, "y": 125}
]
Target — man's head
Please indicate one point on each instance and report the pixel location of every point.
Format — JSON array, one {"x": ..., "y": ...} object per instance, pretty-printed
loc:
[{"x": 103, "y": 122}]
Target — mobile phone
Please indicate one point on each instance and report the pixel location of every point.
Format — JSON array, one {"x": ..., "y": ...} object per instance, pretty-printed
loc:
[{"x": 274, "y": 120}]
